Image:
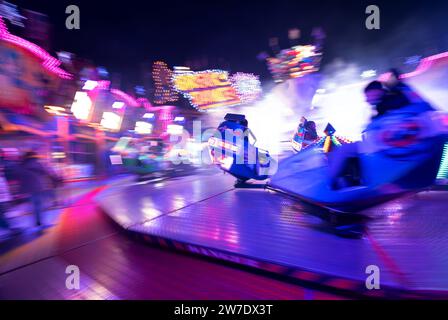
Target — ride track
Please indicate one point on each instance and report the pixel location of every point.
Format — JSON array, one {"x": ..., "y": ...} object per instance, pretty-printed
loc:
[{"x": 206, "y": 216}]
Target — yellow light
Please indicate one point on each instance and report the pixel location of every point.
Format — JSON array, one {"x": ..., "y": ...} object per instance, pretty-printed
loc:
[
  {"x": 54, "y": 110},
  {"x": 207, "y": 89},
  {"x": 58, "y": 155},
  {"x": 327, "y": 144}
]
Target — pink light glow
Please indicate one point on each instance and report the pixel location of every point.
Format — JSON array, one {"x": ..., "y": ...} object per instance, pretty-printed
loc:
[
  {"x": 165, "y": 117},
  {"x": 148, "y": 106},
  {"x": 145, "y": 103},
  {"x": 129, "y": 100},
  {"x": 425, "y": 65},
  {"x": 50, "y": 63}
]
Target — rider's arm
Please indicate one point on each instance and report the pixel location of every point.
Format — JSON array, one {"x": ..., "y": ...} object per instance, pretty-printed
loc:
[
  {"x": 252, "y": 135},
  {"x": 408, "y": 92}
]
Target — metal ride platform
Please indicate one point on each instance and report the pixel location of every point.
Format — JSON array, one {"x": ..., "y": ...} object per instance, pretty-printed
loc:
[{"x": 205, "y": 215}]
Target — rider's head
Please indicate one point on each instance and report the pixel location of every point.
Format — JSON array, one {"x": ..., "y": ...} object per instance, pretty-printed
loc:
[
  {"x": 374, "y": 93},
  {"x": 311, "y": 125},
  {"x": 392, "y": 78}
]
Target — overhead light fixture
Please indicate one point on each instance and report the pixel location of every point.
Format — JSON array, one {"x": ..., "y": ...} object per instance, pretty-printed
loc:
[
  {"x": 118, "y": 105},
  {"x": 175, "y": 129},
  {"x": 90, "y": 85},
  {"x": 82, "y": 106},
  {"x": 368, "y": 74},
  {"x": 142, "y": 127},
  {"x": 148, "y": 115},
  {"x": 111, "y": 121}
]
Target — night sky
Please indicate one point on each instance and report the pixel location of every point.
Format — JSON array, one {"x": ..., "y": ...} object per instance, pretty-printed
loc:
[{"x": 122, "y": 35}]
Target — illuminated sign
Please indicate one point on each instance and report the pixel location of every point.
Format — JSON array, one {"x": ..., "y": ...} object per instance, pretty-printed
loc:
[
  {"x": 294, "y": 62},
  {"x": 164, "y": 91},
  {"x": 29, "y": 76},
  {"x": 207, "y": 89},
  {"x": 247, "y": 85}
]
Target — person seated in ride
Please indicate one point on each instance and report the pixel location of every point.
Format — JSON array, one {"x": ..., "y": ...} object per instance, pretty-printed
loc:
[
  {"x": 299, "y": 134},
  {"x": 393, "y": 82},
  {"x": 310, "y": 133},
  {"x": 394, "y": 94},
  {"x": 383, "y": 99},
  {"x": 302, "y": 124},
  {"x": 344, "y": 162},
  {"x": 301, "y": 127}
]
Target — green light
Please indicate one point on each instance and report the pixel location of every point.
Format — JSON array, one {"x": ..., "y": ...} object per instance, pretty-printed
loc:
[
  {"x": 443, "y": 170},
  {"x": 336, "y": 141}
]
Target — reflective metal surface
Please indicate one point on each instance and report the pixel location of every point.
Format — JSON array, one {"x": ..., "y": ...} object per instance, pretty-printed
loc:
[{"x": 407, "y": 239}]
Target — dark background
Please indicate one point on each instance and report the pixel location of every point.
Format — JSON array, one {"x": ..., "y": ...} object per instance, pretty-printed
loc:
[{"x": 126, "y": 36}]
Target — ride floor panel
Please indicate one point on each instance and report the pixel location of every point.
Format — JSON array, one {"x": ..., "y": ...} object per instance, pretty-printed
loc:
[{"x": 406, "y": 239}]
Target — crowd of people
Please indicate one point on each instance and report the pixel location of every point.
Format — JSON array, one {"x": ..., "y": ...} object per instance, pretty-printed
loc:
[{"x": 35, "y": 181}]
